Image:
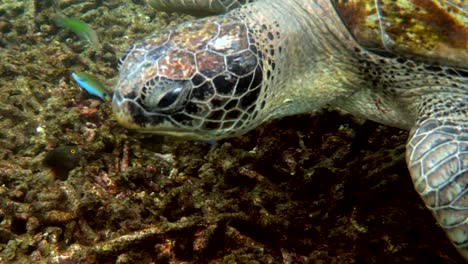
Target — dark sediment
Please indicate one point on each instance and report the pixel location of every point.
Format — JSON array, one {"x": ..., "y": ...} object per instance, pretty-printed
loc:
[{"x": 305, "y": 189}]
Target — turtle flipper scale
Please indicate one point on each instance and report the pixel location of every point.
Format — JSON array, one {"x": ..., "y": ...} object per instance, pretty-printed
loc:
[{"x": 437, "y": 157}]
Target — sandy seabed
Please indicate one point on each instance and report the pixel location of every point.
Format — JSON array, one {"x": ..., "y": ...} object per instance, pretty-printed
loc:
[{"x": 323, "y": 188}]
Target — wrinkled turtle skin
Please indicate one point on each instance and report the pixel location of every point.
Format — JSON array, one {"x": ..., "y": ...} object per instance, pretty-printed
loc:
[{"x": 403, "y": 64}]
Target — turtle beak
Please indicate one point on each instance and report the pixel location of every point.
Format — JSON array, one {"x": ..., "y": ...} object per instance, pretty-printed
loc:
[{"x": 122, "y": 112}]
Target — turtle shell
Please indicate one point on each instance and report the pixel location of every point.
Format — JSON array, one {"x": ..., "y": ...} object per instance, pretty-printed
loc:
[{"x": 433, "y": 31}]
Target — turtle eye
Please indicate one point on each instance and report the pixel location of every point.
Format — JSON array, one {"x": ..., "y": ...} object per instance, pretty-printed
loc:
[
  {"x": 165, "y": 96},
  {"x": 170, "y": 98}
]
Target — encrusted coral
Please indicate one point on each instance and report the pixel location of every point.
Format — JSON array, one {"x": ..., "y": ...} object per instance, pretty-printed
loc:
[{"x": 300, "y": 190}]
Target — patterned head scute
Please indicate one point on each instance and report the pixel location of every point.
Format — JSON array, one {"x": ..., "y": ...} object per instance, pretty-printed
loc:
[{"x": 201, "y": 80}]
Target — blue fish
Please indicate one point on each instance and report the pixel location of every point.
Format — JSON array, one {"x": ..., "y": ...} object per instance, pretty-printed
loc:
[{"x": 92, "y": 85}]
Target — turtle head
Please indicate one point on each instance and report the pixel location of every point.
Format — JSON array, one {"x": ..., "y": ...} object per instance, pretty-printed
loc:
[{"x": 201, "y": 80}]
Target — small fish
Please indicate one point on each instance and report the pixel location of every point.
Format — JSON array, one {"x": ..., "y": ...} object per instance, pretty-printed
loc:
[
  {"x": 83, "y": 30},
  {"x": 62, "y": 160},
  {"x": 92, "y": 85}
]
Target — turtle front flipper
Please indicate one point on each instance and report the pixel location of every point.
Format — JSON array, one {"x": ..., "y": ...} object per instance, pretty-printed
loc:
[
  {"x": 437, "y": 157},
  {"x": 197, "y": 8}
]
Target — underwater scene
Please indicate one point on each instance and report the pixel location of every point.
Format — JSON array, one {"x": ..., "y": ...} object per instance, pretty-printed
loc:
[{"x": 77, "y": 187}]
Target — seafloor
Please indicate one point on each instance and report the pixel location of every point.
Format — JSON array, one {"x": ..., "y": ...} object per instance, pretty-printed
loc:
[{"x": 325, "y": 188}]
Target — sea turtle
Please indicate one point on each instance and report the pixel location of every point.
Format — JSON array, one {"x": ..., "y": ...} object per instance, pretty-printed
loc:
[{"x": 403, "y": 63}]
